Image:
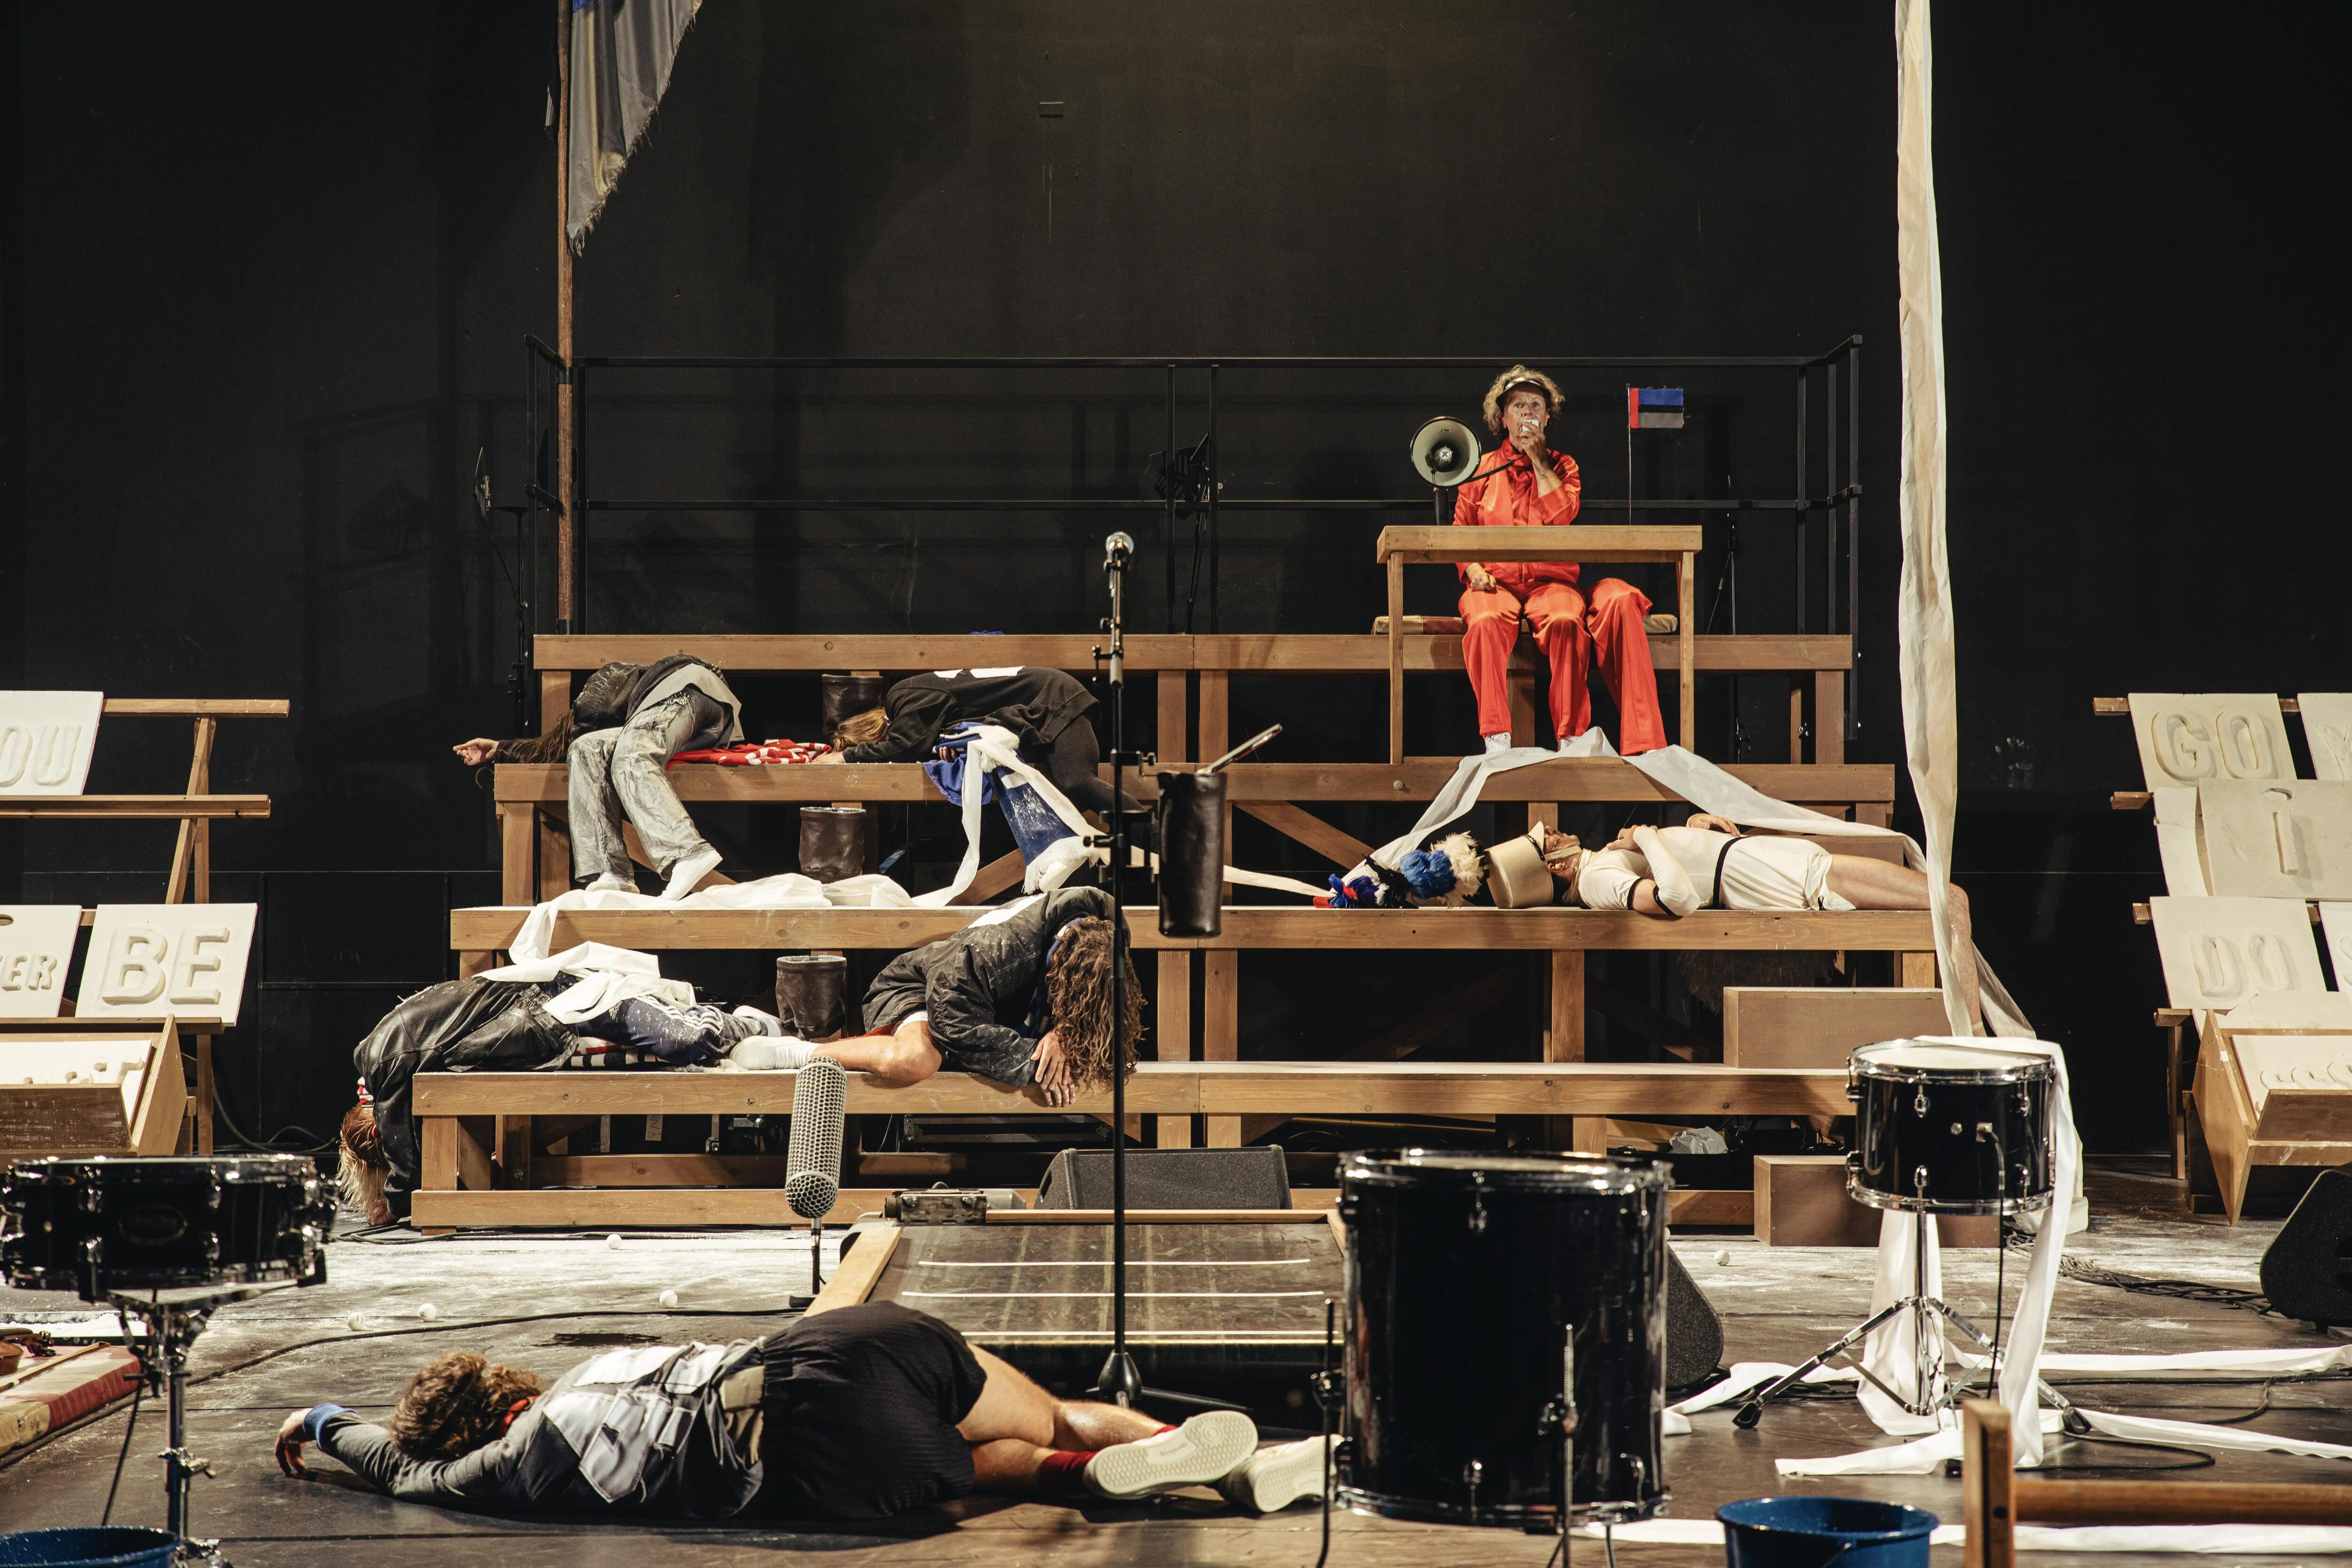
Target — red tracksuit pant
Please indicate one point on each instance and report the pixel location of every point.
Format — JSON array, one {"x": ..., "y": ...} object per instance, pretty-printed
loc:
[{"x": 1567, "y": 628}]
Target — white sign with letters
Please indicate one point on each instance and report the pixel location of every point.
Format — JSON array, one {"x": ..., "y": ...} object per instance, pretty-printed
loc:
[
  {"x": 46, "y": 739},
  {"x": 2186, "y": 737},
  {"x": 37, "y": 943},
  {"x": 2327, "y": 725},
  {"x": 2219, "y": 952},
  {"x": 2289, "y": 838},
  {"x": 2336, "y": 925},
  {"x": 147, "y": 959}
]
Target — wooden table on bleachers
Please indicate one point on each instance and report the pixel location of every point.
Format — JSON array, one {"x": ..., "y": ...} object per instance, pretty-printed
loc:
[{"x": 1598, "y": 543}]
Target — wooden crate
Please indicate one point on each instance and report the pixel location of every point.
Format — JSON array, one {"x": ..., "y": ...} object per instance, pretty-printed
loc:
[
  {"x": 1818, "y": 1026},
  {"x": 121, "y": 1110}
]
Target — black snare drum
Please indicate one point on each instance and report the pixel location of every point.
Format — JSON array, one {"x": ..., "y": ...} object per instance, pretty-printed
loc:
[
  {"x": 1465, "y": 1275},
  {"x": 110, "y": 1225},
  {"x": 1946, "y": 1128}
]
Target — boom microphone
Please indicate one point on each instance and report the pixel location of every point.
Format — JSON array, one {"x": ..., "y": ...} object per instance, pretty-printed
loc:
[
  {"x": 813, "y": 1151},
  {"x": 1117, "y": 548}
]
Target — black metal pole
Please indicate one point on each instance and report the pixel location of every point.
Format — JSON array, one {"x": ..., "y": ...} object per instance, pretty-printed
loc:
[
  {"x": 1853, "y": 537},
  {"x": 1803, "y": 491},
  {"x": 1120, "y": 1382},
  {"x": 1214, "y": 486},
  {"x": 1168, "y": 503},
  {"x": 578, "y": 499}
]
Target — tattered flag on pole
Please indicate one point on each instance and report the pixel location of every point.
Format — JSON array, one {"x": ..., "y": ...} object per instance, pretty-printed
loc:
[
  {"x": 622, "y": 51},
  {"x": 1653, "y": 408}
]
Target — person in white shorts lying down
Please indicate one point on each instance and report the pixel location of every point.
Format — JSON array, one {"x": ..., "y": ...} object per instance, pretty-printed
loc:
[{"x": 1710, "y": 864}]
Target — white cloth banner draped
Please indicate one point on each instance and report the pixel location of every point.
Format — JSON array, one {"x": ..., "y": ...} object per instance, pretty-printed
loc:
[
  {"x": 2227, "y": 1539},
  {"x": 1930, "y": 719}
]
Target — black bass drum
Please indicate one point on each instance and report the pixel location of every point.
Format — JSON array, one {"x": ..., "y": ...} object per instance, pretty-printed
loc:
[
  {"x": 122, "y": 1224},
  {"x": 1950, "y": 1129},
  {"x": 1466, "y": 1275}
]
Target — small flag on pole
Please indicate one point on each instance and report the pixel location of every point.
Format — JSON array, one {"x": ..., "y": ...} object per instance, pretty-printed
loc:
[{"x": 1653, "y": 408}]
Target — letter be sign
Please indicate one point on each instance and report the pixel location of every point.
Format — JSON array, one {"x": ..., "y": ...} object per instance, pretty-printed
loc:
[{"x": 147, "y": 959}]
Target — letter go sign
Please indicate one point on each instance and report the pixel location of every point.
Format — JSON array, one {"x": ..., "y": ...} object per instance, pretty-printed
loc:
[
  {"x": 146, "y": 959},
  {"x": 2187, "y": 737}
]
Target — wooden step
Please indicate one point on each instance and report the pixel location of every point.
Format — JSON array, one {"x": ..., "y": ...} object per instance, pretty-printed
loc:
[
  {"x": 492, "y": 928},
  {"x": 1294, "y": 653},
  {"x": 1818, "y": 1026},
  {"x": 1180, "y": 1089},
  {"x": 1413, "y": 780}
]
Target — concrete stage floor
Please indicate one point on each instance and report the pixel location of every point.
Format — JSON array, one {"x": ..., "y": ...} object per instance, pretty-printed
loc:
[{"x": 1777, "y": 1305}]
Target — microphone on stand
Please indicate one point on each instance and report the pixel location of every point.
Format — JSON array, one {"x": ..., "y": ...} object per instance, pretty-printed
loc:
[
  {"x": 813, "y": 1151},
  {"x": 1117, "y": 548}
]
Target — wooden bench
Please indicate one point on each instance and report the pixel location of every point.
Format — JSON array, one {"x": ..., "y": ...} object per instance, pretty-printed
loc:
[{"x": 484, "y": 1173}]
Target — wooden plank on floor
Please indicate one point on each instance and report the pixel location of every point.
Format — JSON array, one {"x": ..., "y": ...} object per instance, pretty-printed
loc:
[{"x": 852, "y": 1282}]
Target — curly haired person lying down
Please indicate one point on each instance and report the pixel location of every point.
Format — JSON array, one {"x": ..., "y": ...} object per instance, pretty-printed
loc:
[{"x": 858, "y": 1413}]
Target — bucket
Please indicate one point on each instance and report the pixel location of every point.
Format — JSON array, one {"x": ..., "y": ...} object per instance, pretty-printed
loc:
[
  {"x": 1819, "y": 1531},
  {"x": 122, "y": 1546}
]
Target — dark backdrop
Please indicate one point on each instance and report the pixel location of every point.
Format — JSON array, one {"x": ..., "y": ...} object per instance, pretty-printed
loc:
[{"x": 267, "y": 273}]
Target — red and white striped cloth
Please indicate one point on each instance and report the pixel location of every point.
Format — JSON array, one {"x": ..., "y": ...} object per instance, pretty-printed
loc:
[{"x": 765, "y": 755}]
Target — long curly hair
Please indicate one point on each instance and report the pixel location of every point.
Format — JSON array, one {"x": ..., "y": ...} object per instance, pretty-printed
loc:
[
  {"x": 457, "y": 1403},
  {"x": 1510, "y": 380},
  {"x": 1077, "y": 993},
  {"x": 362, "y": 1167}
]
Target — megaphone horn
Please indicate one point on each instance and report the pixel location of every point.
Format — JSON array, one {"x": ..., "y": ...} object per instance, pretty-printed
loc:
[{"x": 1445, "y": 452}]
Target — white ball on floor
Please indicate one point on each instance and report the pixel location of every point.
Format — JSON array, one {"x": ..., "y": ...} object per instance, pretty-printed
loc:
[
  {"x": 356, "y": 1321},
  {"x": 670, "y": 1298},
  {"x": 1723, "y": 1258},
  {"x": 613, "y": 1241},
  {"x": 429, "y": 1311}
]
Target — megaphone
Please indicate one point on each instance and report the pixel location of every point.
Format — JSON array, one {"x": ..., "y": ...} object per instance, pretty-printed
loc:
[{"x": 1445, "y": 452}]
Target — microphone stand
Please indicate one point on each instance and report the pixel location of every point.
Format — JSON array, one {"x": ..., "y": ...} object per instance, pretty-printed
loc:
[{"x": 1119, "y": 1383}]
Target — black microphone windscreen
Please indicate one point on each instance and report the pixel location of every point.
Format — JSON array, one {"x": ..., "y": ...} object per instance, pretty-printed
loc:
[{"x": 813, "y": 1151}]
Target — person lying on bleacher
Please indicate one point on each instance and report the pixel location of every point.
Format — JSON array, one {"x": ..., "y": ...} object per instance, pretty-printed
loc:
[
  {"x": 1020, "y": 995},
  {"x": 1047, "y": 710},
  {"x": 1709, "y": 864},
  {"x": 628, "y": 721},
  {"x": 858, "y": 1413}
]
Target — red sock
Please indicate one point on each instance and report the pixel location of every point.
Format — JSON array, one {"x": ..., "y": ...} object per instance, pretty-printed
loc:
[
  {"x": 1063, "y": 1474},
  {"x": 1163, "y": 1429}
]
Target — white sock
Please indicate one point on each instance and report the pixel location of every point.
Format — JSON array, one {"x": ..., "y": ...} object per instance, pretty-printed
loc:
[
  {"x": 612, "y": 882},
  {"x": 690, "y": 870},
  {"x": 1497, "y": 743},
  {"x": 772, "y": 1053}
]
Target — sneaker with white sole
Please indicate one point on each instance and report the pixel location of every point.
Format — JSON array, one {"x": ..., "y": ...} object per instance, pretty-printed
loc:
[
  {"x": 1276, "y": 1478},
  {"x": 689, "y": 871},
  {"x": 1201, "y": 1452}
]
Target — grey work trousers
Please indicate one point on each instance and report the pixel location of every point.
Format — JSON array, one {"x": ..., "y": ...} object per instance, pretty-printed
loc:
[{"x": 621, "y": 771}]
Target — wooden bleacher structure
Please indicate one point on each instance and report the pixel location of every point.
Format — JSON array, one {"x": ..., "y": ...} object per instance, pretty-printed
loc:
[
  {"x": 195, "y": 809},
  {"x": 481, "y": 1166}
]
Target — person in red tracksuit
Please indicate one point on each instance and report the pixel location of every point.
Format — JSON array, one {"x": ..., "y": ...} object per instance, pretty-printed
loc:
[{"x": 1525, "y": 485}]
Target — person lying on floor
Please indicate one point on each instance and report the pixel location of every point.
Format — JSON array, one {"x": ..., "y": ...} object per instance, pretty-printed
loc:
[
  {"x": 862, "y": 1412},
  {"x": 1709, "y": 864},
  {"x": 1020, "y": 995},
  {"x": 1047, "y": 710},
  {"x": 628, "y": 721}
]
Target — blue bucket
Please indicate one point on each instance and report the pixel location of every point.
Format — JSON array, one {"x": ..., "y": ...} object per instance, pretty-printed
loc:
[
  {"x": 1820, "y": 1531},
  {"x": 120, "y": 1546}
]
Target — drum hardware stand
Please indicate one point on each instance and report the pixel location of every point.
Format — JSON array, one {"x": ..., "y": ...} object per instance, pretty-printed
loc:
[
  {"x": 1936, "y": 1394},
  {"x": 172, "y": 1328},
  {"x": 1326, "y": 1386}
]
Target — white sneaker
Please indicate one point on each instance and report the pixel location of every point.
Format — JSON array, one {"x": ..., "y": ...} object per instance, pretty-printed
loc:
[
  {"x": 1201, "y": 1452},
  {"x": 612, "y": 882},
  {"x": 1497, "y": 743},
  {"x": 1276, "y": 1478},
  {"x": 688, "y": 871},
  {"x": 761, "y": 1022}
]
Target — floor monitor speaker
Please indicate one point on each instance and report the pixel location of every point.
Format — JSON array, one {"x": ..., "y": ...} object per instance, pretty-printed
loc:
[
  {"x": 2307, "y": 1270},
  {"x": 1170, "y": 1179}
]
